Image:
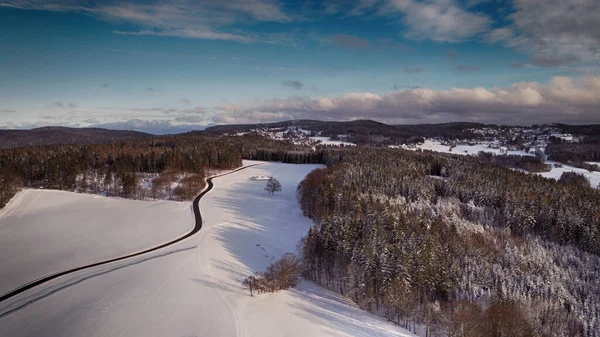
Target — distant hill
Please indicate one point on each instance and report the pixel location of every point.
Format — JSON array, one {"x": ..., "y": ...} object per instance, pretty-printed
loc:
[
  {"x": 63, "y": 135},
  {"x": 361, "y": 131},
  {"x": 443, "y": 130},
  {"x": 591, "y": 131}
]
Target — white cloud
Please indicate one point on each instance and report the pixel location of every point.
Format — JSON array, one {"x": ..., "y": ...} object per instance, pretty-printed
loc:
[
  {"x": 558, "y": 28},
  {"x": 498, "y": 35},
  {"x": 563, "y": 99},
  {"x": 204, "y": 34},
  {"x": 442, "y": 21},
  {"x": 207, "y": 19}
]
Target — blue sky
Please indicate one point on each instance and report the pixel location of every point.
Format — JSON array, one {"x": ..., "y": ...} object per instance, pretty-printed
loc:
[{"x": 171, "y": 65}]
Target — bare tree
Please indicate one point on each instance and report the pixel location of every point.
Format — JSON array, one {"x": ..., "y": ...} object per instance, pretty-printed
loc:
[
  {"x": 250, "y": 283},
  {"x": 189, "y": 186},
  {"x": 273, "y": 185}
]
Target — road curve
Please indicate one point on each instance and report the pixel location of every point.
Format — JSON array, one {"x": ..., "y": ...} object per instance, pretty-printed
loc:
[{"x": 196, "y": 229}]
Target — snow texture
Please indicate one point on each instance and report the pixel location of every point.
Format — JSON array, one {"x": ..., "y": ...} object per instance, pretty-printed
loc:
[
  {"x": 46, "y": 231},
  {"x": 192, "y": 288}
]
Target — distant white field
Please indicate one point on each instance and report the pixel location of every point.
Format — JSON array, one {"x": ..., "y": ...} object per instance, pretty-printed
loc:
[
  {"x": 593, "y": 177},
  {"x": 472, "y": 150},
  {"x": 328, "y": 141},
  {"x": 555, "y": 173},
  {"x": 194, "y": 287}
]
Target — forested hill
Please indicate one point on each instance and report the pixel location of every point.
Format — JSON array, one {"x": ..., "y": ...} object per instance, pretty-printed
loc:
[
  {"x": 360, "y": 131},
  {"x": 63, "y": 135},
  {"x": 362, "y": 127},
  {"x": 461, "y": 245},
  {"x": 591, "y": 131},
  {"x": 586, "y": 130},
  {"x": 444, "y": 130}
]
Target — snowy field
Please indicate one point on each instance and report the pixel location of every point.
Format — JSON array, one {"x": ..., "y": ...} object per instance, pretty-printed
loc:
[
  {"x": 594, "y": 163},
  {"x": 194, "y": 287},
  {"x": 555, "y": 173},
  {"x": 43, "y": 231},
  {"x": 328, "y": 141},
  {"x": 471, "y": 150}
]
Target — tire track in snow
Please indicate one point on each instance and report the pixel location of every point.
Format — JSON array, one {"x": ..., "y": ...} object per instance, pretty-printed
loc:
[
  {"x": 25, "y": 301},
  {"x": 29, "y": 206},
  {"x": 13, "y": 204},
  {"x": 131, "y": 321},
  {"x": 205, "y": 268},
  {"x": 196, "y": 229}
]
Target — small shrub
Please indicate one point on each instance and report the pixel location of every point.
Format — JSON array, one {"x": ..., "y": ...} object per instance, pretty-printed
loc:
[{"x": 281, "y": 274}]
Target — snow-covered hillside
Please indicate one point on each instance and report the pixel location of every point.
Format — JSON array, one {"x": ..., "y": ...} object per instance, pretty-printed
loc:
[{"x": 194, "y": 287}]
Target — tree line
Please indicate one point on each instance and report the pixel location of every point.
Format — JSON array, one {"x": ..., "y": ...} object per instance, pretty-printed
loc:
[
  {"x": 527, "y": 163},
  {"x": 66, "y": 167},
  {"x": 574, "y": 152},
  {"x": 117, "y": 168}
]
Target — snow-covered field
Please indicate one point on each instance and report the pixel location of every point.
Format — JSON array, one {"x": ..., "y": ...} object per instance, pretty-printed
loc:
[
  {"x": 194, "y": 287},
  {"x": 593, "y": 163},
  {"x": 471, "y": 150},
  {"x": 328, "y": 141},
  {"x": 555, "y": 173},
  {"x": 43, "y": 231}
]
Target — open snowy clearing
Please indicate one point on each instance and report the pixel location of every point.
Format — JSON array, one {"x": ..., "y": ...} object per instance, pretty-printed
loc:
[
  {"x": 556, "y": 172},
  {"x": 593, "y": 163},
  {"x": 193, "y": 288},
  {"x": 473, "y": 150},
  {"x": 44, "y": 231},
  {"x": 328, "y": 141}
]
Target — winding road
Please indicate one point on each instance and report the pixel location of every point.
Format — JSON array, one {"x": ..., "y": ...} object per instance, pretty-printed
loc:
[{"x": 196, "y": 229}]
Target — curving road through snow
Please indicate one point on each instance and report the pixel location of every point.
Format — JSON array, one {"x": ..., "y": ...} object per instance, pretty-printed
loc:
[
  {"x": 193, "y": 287},
  {"x": 196, "y": 229}
]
